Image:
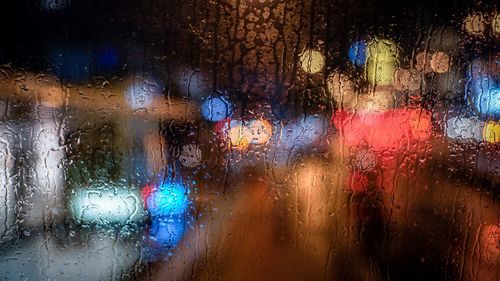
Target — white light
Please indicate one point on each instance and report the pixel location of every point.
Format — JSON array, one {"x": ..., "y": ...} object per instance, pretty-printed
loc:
[
  {"x": 106, "y": 205},
  {"x": 464, "y": 128},
  {"x": 142, "y": 92}
]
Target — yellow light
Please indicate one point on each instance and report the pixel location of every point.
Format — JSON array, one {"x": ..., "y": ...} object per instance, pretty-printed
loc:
[
  {"x": 495, "y": 24},
  {"x": 475, "y": 24},
  {"x": 312, "y": 61},
  {"x": 380, "y": 73},
  {"x": 491, "y": 132},
  {"x": 440, "y": 62},
  {"x": 382, "y": 58},
  {"x": 239, "y": 136},
  {"x": 260, "y": 131}
]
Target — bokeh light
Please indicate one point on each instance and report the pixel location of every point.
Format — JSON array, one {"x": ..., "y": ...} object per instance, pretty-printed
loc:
[
  {"x": 216, "y": 109},
  {"x": 239, "y": 135},
  {"x": 440, "y": 62},
  {"x": 106, "y": 204},
  {"x": 357, "y": 53},
  {"x": 166, "y": 200},
  {"x": 486, "y": 95},
  {"x": 142, "y": 92},
  {"x": 495, "y": 23},
  {"x": 475, "y": 24},
  {"x": 464, "y": 128},
  {"x": 382, "y": 59},
  {"x": 491, "y": 132},
  {"x": 260, "y": 131},
  {"x": 312, "y": 61}
]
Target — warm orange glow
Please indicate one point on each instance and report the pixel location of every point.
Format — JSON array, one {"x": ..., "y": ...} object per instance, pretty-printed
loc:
[
  {"x": 260, "y": 131},
  {"x": 475, "y": 24},
  {"x": 440, "y": 62},
  {"x": 491, "y": 132}
]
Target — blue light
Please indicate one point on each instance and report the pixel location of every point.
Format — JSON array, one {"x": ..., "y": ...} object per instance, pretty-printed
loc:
[
  {"x": 486, "y": 94},
  {"x": 107, "y": 59},
  {"x": 166, "y": 200},
  {"x": 167, "y": 233},
  {"x": 216, "y": 109},
  {"x": 357, "y": 53}
]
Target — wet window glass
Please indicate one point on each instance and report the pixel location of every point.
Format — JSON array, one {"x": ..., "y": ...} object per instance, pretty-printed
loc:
[{"x": 250, "y": 140}]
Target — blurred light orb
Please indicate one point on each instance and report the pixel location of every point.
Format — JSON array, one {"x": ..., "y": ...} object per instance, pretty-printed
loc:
[
  {"x": 357, "y": 53},
  {"x": 216, "y": 109},
  {"x": 486, "y": 94},
  {"x": 495, "y": 23},
  {"x": 142, "y": 92},
  {"x": 407, "y": 80},
  {"x": 423, "y": 62},
  {"x": 440, "y": 62},
  {"x": 491, "y": 132},
  {"x": 190, "y": 156},
  {"x": 312, "y": 61},
  {"x": 239, "y": 135},
  {"x": 165, "y": 234},
  {"x": 382, "y": 50},
  {"x": 420, "y": 122},
  {"x": 107, "y": 204},
  {"x": 166, "y": 199},
  {"x": 475, "y": 24},
  {"x": 260, "y": 131},
  {"x": 464, "y": 128},
  {"x": 341, "y": 88},
  {"x": 382, "y": 58}
]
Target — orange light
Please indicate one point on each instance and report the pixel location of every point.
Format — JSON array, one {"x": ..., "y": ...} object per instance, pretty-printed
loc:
[{"x": 440, "y": 62}]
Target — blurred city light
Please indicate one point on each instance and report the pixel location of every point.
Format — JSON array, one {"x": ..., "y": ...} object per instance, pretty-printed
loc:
[
  {"x": 142, "y": 91},
  {"x": 475, "y": 24},
  {"x": 260, "y": 130},
  {"x": 382, "y": 60},
  {"x": 106, "y": 204},
  {"x": 357, "y": 53},
  {"x": 465, "y": 128},
  {"x": 312, "y": 61},
  {"x": 162, "y": 236},
  {"x": 491, "y": 132},
  {"x": 440, "y": 62},
  {"x": 216, "y": 108},
  {"x": 166, "y": 200},
  {"x": 486, "y": 95}
]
